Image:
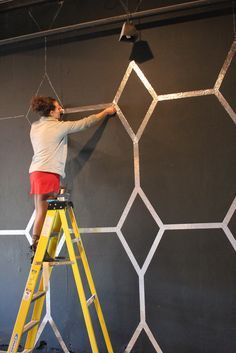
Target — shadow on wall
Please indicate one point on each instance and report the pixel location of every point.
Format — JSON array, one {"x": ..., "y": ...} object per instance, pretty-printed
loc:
[
  {"x": 141, "y": 52},
  {"x": 75, "y": 165}
]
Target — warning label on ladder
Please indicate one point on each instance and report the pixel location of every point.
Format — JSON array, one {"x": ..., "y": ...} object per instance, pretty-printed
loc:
[{"x": 46, "y": 226}]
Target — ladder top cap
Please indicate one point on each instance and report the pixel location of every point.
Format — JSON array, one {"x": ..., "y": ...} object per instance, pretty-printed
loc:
[{"x": 58, "y": 205}]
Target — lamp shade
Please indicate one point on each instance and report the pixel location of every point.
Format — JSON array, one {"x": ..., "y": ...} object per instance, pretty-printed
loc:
[{"x": 128, "y": 32}]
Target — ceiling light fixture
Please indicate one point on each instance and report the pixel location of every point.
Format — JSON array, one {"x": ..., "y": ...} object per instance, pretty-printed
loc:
[{"x": 128, "y": 32}]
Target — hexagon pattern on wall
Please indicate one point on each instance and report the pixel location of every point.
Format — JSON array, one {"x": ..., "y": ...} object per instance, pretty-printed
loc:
[{"x": 133, "y": 68}]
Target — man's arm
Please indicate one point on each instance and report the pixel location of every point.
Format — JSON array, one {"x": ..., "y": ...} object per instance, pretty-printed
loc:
[
  {"x": 70, "y": 127},
  {"x": 108, "y": 111}
]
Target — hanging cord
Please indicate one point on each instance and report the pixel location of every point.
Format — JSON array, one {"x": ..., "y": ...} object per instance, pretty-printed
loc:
[
  {"x": 126, "y": 7},
  {"x": 138, "y": 6}
]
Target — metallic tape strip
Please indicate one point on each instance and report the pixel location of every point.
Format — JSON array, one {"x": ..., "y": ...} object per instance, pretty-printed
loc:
[
  {"x": 123, "y": 83},
  {"x": 126, "y": 125},
  {"x": 128, "y": 251},
  {"x": 12, "y": 232},
  {"x": 127, "y": 208},
  {"x": 48, "y": 300},
  {"x": 226, "y": 106},
  {"x": 142, "y": 298},
  {"x": 152, "y": 339},
  {"x": 31, "y": 222},
  {"x": 225, "y": 66},
  {"x": 98, "y": 230},
  {"x": 146, "y": 118},
  {"x": 230, "y": 212},
  {"x": 60, "y": 245},
  {"x": 152, "y": 251},
  {"x": 12, "y": 117},
  {"x": 136, "y": 166},
  {"x": 150, "y": 207},
  {"x": 230, "y": 236},
  {"x": 58, "y": 335},
  {"x": 87, "y": 108},
  {"x": 28, "y": 236},
  {"x": 180, "y": 95},
  {"x": 41, "y": 328},
  {"x": 29, "y": 226},
  {"x": 134, "y": 338},
  {"x": 144, "y": 80},
  {"x": 192, "y": 226}
]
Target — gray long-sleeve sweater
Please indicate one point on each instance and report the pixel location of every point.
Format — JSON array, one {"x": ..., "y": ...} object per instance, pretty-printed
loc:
[{"x": 49, "y": 140}]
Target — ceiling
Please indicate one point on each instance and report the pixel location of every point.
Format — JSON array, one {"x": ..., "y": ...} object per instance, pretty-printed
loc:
[{"x": 24, "y": 20}]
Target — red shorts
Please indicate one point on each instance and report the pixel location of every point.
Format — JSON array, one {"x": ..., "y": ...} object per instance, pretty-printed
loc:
[{"x": 44, "y": 183}]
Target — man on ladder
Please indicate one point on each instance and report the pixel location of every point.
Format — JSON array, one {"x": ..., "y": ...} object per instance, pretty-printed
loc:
[{"x": 49, "y": 140}]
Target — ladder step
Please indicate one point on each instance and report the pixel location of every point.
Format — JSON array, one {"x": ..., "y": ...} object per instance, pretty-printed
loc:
[
  {"x": 91, "y": 299},
  {"x": 36, "y": 296},
  {"x": 59, "y": 262},
  {"x": 76, "y": 240},
  {"x": 63, "y": 262},
  {"x": 30, "y": 325}
]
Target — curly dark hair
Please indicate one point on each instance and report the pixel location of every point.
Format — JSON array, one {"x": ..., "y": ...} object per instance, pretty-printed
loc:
[{"x": 43, "y": 105}]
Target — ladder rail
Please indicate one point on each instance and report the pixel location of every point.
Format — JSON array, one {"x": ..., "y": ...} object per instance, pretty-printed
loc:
[
  {"x": 39, "y": 304},
  {"x": 79, "y": 284},
  {"x": 90, "y": 281},
  {"x": 36, "y": 315},
  {"x": 23, "y": 310},
  {"x": 29, "y": 288}
]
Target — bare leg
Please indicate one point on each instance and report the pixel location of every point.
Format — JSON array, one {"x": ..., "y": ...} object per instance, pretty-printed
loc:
[{"x": 41, "y": 206}]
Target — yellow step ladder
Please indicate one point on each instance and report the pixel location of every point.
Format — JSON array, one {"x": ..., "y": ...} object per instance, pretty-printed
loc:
[{"x": 59, "y": 220}]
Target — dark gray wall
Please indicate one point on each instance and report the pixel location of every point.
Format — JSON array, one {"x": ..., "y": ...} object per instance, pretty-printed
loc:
[{"x": 187, "y": 178}]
